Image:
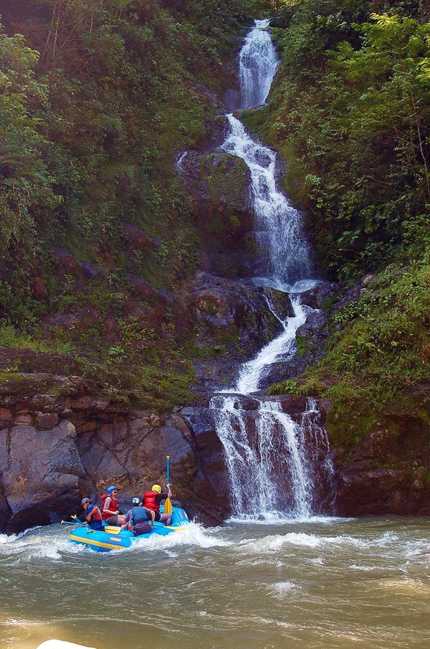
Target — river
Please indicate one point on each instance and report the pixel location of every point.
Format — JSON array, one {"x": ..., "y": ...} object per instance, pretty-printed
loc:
[{"x": 311, "y": 585}]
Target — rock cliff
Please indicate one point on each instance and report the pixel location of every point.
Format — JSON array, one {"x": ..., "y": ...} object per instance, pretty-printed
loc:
[{"x": 64, "y": 442}]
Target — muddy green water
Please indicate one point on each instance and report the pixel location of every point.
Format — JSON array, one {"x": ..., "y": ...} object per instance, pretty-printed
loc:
[{"x": 314, "y": 585}]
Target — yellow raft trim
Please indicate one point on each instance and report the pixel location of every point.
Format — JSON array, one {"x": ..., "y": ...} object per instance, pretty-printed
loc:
[
  {"x": 111, "y": 529},
  {"x": 99, "y": 544}
]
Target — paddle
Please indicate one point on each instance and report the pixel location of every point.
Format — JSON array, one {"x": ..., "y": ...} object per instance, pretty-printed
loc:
[
  {"x": 72, "y": 522},
  {"x": 168, "y": 507}
]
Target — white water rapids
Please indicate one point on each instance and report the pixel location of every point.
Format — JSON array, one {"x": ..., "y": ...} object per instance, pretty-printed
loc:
[{"x": 267, "y": 444}]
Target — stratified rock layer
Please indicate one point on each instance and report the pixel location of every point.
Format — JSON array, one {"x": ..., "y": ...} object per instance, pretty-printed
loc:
[{"x": 55, "y": 449}]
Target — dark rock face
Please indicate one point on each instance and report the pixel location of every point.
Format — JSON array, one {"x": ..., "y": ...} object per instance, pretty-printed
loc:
[
  {"x": 44, "y": 470},
  {"x": 386, "y": 473},
  {"x": 40, "y": 473},
  {"x": 317, "y": 295},
  {"x": 219, "y": 303},
  {"x": 219, "y": 184},
  {"x": 233, "y": 320},
  {"x": 211, "y": 485}
]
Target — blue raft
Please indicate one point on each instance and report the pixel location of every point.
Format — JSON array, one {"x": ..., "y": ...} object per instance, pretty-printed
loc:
[{"x": 113, "y": 538}]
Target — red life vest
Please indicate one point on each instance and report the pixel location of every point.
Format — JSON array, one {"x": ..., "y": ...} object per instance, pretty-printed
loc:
[
  {"x": 95, "y": 511},
  {"x": 113, "y": 507},
  {"x": 151, "y": 500}
]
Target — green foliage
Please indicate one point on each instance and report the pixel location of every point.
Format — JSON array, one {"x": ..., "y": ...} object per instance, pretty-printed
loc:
[
  {"x": 351, "y": 114},
  {"x": 10, "y": 337},
  {"x": 377, "y": 362},
  {"x": 26, "y": 186},
  {"x": 97, "y": 99}
]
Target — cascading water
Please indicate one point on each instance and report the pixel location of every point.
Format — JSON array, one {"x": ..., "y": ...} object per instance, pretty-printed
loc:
[
  {"x": 258, "y": 63},
  {"x": 278, "y": 225},
  {"x": 272, "y": 473}
]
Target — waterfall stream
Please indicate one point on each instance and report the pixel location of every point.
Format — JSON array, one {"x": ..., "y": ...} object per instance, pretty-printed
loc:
[{"x": 272, "y": 460}]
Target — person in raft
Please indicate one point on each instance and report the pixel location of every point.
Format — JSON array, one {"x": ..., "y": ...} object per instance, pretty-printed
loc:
[
  {"x": 93, "y": 515},
  {"x": 110, "y": 507},
  {"x": 139, "y": 519},
  {"x": 152, "y": 500}
]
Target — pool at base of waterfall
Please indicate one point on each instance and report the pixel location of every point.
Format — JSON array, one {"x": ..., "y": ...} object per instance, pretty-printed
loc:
[{"x": 311, "y": 584}]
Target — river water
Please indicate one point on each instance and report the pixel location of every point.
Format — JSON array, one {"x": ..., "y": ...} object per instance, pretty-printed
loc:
[{"x": 317, "y": 584}]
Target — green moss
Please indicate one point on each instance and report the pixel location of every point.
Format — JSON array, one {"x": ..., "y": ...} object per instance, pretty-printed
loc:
[
  {"x": 377, "y": 361},
  {"x": 10, "y": 337}
]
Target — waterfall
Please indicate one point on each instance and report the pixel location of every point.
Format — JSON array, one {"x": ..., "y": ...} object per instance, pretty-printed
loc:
[
  {"x": 258, "y": 63},
  {"x": 273, "y": 461},
  {"x": 251, "y": 373},
  {"x": 279, "y": 230}
]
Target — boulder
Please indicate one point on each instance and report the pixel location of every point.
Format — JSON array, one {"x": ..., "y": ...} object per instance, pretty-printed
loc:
[
  {"x": 316, "y": 296},
  {"x": 40, "y": 474},
  {"x": 219, "y": 303}
]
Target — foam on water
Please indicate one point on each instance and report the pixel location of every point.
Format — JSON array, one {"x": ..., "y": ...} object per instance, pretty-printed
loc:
[
  {"x": 282, "y": 588},
  {"x": 52, "y": 543},
  {"x": 274, "y": 543},
  {"x": 39, "y": 543},
  {"x": 193, "y": 534}
]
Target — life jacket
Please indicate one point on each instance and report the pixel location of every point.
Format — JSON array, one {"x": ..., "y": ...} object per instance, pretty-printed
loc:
[
  {"x": 97, "y": 515},
  {"x": 139, "y": 515},
  {"x": 113, "y": 507},
  {"x": 151, "y": 500},
  {"x": 96, "y": 519}
]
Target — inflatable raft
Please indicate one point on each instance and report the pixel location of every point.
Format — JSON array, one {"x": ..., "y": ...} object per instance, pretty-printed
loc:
[{"x": 113, "y": 538}]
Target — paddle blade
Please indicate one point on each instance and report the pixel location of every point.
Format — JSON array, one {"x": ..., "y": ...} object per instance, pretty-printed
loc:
[{"x": 168, "y": 507}]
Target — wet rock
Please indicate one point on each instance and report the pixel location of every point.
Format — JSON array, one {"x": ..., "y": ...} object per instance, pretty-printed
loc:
[
  {"x": 221, "y": 303},
  {"x": 211, "y": 483},
  {"x": 5, "y": 512},
  {"x": 239, "y": 401},
  {"x": 316, "y": 296},
  {"x": 280, "y": 302},
  {"x": 219, "y": 184},
  {"x": 385, "y": 473},
  {"x": 40, "y": 474},
  {"x": 315, "y": 322},
  {"x": 262, "y": 157},
  {"x": 294, "y": 406}
]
